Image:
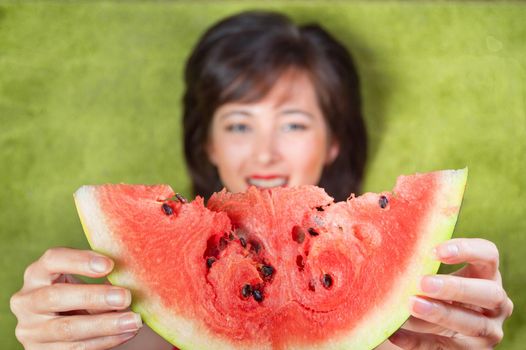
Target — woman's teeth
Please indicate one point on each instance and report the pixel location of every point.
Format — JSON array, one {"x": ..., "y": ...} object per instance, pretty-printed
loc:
[{"x": 267, "y": 183}]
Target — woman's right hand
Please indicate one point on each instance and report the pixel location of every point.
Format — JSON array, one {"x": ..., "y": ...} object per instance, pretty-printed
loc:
[{"x": 56, "y": 311}]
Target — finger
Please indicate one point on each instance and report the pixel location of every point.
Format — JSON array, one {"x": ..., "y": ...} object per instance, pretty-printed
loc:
[
  {"x": 62, "y": 297},
  {"x": 417, "y": 324},
  {"x": 74, "y": 328},
  {"x": 458, "y": 319},
  {"x": 479, "y": 292},
  {"x": 91, "y": 344},
  {"x": 473, "y": 271},
  {"x": 95, "y": 311},
  {"x": 409, "y": 340},
  {"x": 57, "y": 261},
  {"x": 481, "y": 253},
  {"x": 503, "y": 312}
]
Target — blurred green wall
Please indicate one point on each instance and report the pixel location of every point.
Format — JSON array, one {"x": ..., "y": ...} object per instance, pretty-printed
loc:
[{"x": 90, "y": 93}]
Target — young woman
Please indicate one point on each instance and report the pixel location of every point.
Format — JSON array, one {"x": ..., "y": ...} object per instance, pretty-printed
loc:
[{"x": 267, "y": 104}]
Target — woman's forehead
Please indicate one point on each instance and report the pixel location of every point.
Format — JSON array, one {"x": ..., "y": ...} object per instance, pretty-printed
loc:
[{"x": 291, "y": 86}]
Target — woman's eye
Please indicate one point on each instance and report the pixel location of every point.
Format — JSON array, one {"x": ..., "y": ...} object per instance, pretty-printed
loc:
[
  {"x": 238, "y": 127},
  {"x": 294, "y": 127}
]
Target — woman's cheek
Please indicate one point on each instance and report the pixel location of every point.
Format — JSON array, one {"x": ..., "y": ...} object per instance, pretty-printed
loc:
[
  {"x": 231, "y": 148},
  {"x": 307, "y": 158}
]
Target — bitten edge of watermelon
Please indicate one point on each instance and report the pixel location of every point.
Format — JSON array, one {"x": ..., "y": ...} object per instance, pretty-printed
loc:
[{"x": 439, "y": 228}]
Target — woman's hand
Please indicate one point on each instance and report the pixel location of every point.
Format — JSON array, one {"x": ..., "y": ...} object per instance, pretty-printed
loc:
[
  {"x": 464, "y": 310},
  {"x": 56, "y": 312}
]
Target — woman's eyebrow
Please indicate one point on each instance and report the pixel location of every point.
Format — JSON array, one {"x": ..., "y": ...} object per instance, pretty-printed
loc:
[
  {"x": 235, "y": 112},
  {"x": 297, "y": 111}
]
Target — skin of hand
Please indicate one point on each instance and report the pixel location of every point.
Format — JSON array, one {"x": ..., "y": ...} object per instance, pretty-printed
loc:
[
  {"x": 463, "y": 310},
  {"x": 56, "y": 311}
]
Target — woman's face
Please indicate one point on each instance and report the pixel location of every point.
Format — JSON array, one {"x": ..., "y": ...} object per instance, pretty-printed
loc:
[{"x": 280, "y": 140}]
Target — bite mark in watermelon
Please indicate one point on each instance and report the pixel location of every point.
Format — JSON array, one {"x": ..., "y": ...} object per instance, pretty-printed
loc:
[{"x": 285, "y": 268}]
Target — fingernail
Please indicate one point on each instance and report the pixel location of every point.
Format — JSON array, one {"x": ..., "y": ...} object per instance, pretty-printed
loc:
[
  {"x": 422, "y": 306},
  {"x": 448, "y": 251},
  {"x": 435, "y": 253},
  {"x": 431, "y": 284},
  {"x": 99, "y": 264},
  {"x": 116, "y": 297},
  {"x": 130, "y": 322},
  {"x": 399, "y": 338}
]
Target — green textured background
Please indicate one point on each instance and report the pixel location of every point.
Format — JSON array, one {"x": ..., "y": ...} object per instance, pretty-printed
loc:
[{"x": 90, "y": 93}]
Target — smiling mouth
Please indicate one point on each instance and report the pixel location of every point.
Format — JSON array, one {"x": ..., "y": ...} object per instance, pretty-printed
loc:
[{"x": 268, "y": 182}]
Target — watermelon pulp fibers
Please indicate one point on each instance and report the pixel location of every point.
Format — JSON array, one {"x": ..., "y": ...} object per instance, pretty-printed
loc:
[{"x": 284, "y": 268}]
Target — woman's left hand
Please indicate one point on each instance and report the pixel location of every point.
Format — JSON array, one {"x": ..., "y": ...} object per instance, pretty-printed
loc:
[{"x": 463, "y": 310}]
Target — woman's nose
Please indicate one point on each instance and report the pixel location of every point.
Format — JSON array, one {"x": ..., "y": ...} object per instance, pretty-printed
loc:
[{"x": 265, "y": 148}]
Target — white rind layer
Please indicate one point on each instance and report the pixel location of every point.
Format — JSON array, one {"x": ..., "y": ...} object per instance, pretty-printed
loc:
[
  {"x": 374, "y": 328},
  {"x": 389, "y": 316},
  {"x": 190, "y": 335}
]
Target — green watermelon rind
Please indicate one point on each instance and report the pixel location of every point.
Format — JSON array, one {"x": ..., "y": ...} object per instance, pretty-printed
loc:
[
  {"x": 98, "y": 234},
  {"x": 192, "y": 335},
  {"x": 439, "y": 228}
]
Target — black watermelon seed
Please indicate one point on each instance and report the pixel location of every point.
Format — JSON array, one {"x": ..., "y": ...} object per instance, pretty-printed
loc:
[
  {"x": 258, "y": 296},
  {"x": 313, "y": 232},
  {"x": 326, "y": 280},
  {"x": 210, "y": 261},
  {"x": 180, "y": 198},
  {"x": 167, "y": 209},
  {"x": 246, "y": 291},
  {"x": 320, "y": 208},
  {"x": 243, "y": 242},
  {"x": 267, "y": 270},
  {"x": 298, "y": 234},
  {"x": 383, "y": 202}
]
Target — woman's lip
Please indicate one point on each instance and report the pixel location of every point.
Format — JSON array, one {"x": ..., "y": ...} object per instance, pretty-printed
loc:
[{"x": 265, "y": 177}]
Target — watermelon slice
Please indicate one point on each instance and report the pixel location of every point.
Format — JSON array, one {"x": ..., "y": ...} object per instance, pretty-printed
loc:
[{"x": 285, "y": 268}]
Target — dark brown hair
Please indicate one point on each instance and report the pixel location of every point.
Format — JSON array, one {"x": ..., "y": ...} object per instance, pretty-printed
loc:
[{"x": 240, "y": 58}]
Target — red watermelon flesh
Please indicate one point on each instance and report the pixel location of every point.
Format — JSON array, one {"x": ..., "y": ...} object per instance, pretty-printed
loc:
[{"x": 285, "y": 268}]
